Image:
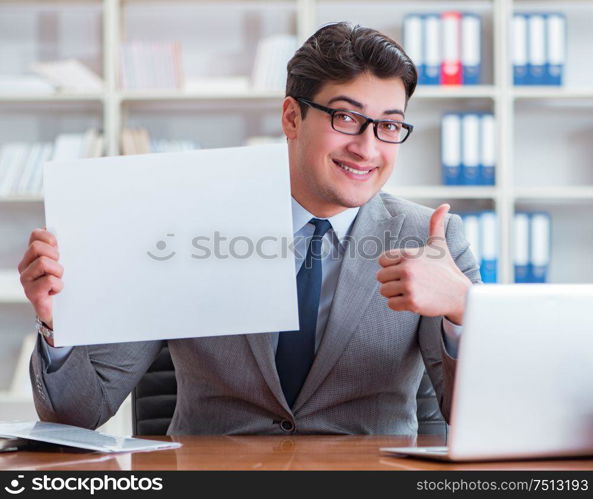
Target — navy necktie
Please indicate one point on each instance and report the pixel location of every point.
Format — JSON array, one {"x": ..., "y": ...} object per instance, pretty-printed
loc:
[{"x": 296, "y": 349}]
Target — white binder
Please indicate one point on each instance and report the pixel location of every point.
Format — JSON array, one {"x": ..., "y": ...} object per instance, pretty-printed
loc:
[
  {"x": 540, "y": 246},
  {"x": 487, "y": 150},
  {"x": 432, "y": 49},
  {"x": 521, "y": 247},
  {"x": 471, "y": 224},
  {"x": 519, "y": 48},
  {"x": 556, "y": 48},
  {"x": 413, "y": 38},
  {"x": 471, "y": 48},
  {"x": 537, "y": 49},
  {"x": 451, "y": 148},
  {"x": 470, "y": 156},
  {"x": 489, "y": 246}
]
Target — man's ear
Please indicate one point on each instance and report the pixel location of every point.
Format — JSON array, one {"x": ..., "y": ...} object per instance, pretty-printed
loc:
[{"x": 291, "y": 117}]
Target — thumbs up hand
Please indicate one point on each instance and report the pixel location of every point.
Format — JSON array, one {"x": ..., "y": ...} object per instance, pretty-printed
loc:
[{"x": 425, "y": 280}]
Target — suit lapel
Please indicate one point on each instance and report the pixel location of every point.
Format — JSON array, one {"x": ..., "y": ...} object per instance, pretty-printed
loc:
[
  {"x": 262, "y": 346},
  {"x": 355, "y": 288}
]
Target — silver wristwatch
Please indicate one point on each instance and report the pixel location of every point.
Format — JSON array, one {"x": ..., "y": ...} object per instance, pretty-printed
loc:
[{"x": 43, "y": 330}]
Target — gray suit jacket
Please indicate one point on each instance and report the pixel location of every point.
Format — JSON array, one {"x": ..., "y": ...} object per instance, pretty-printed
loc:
[{"x": 364, "y": 378}]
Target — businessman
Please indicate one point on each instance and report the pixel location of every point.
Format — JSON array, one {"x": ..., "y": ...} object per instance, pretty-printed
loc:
[{"x": 370, "y": 323}]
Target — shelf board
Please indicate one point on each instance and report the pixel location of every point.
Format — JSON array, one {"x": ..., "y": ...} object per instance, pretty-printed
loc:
[
  {"x": 24, "y": 198},
  {"x": 55, "y": 2},
  {"x": 455, "y": 92},
  {"x": 426, "y": 92},
  {"x": 179, "y": 95},
  {"x": 57, "y": 97},
  {"x": 442, "y": 192},
  {"x": 392, "y": 2},
  {"x": 11, "y": 290},
  {"x": 554, "y": 192},
  {"x": 552, "y": 93}
]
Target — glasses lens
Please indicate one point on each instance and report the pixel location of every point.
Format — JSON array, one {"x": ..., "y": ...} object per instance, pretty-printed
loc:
[
  {"x": 347, "y": 122},
  {"x": 391, "y": 131}
]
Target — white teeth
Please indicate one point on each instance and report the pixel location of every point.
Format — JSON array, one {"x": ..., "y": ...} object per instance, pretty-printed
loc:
[{"x": 352, "y": 170}]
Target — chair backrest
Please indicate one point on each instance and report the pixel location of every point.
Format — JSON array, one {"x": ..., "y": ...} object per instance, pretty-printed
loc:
[
  {"x": 428, "y": 412},
  {"x": 154, "y": 398}
]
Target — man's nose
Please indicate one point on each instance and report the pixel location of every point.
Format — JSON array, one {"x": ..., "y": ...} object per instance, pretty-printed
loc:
[{"x": 365, "y": 145}]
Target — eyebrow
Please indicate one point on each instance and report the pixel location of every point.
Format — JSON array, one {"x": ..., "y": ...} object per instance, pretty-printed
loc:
[{"x": 357, "y": 104}]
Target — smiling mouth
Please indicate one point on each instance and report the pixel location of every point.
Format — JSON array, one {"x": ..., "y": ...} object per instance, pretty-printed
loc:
[{"x": 353, "y": 171}]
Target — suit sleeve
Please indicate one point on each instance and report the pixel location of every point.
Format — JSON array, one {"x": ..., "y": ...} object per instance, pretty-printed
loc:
[
  {"x": 439, "y": 365},
  {"x": 92, "y": 382}
]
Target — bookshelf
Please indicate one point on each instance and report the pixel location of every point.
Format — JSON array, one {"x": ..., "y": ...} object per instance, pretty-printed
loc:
[{"x": 526, "y": 175}]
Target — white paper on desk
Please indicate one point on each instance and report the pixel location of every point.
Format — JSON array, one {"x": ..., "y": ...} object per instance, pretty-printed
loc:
[
  {"x": 133, "y": 269},
  {"x": 74, "y": 436}
]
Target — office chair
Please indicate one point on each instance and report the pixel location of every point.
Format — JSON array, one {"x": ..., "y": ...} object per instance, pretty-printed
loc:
[{"x": 154, "y": 398}]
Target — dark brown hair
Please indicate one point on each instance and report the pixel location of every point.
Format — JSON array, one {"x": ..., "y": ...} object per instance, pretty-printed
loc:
[{"x": 340, "y": 52}]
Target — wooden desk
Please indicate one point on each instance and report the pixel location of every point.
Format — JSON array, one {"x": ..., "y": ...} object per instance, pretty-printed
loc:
[{"x": 268, "y": 453}]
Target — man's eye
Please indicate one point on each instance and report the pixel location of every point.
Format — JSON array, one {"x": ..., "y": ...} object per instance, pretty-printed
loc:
[
  {"x": 345, "y": 117},
  {"x": 391, "y": 126}
]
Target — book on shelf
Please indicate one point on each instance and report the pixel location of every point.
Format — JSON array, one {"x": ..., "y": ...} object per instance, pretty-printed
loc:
[
  {"x": 521, "y": 247},
  {"x": 78, "y": 145},
  {"x": 451, "y": 148},
  {"x": 432, "y": 50},
  {"x": 471, "y": 48},
  {"x": 269, "y": 67},
  {"x": 451, "y": 72},
  {"x": 540, "y": 246},
  {"x": 536, "y": 49},
  {"x": 532, "y": 246},
  {"x": 128, "y": 145},
  {"x": 481, "y": 232},
  {"x": 489, "y": 246},
  {"x": 69, "y": 75},
  {"x": 446, "y": 47},
  {"x": 135, "y": 141},
  {"x": 141, "y": 141},
  {"x": 21, "y": 163},
  {"x": 151, "y": 65},
  {"x": 539, "y": 48},
  {"x": 471, "y": 226},
  {"x": 468, "y": 148},
  {"x": 414, "y": 42},
  {"x": 31, "y": 176},
  {"x": 12, "y": 158},
  {"x": 138, "y": 141},
  {"x": 487, "y": 174}
]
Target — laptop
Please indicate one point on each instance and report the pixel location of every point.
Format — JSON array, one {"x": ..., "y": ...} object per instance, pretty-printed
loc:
[{"x": 524, "y": 382}]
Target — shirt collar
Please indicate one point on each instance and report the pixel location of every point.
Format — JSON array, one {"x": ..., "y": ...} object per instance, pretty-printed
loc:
[{"x": 341, "y": 222}]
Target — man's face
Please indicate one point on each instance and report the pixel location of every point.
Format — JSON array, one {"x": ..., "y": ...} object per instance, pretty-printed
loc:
[{"x": 319, "y": 155}]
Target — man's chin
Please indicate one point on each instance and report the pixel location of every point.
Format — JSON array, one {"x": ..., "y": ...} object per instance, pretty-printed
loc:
[{"x": 353, "y": 200}]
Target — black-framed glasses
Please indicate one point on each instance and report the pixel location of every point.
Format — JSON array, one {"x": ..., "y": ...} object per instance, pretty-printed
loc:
[{"x": 355, "y": 123}]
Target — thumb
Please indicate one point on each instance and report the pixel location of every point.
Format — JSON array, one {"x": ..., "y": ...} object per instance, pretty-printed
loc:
[{"x": 436, "y": 231}]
